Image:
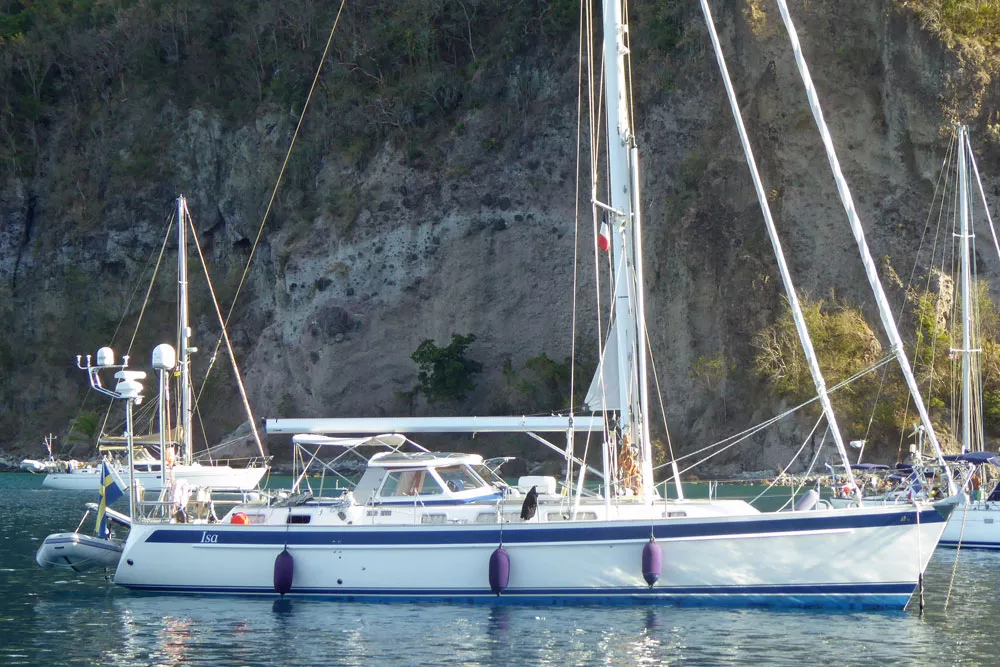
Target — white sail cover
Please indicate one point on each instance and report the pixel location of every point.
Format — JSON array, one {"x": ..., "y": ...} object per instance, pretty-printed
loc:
[
  {"x": 391, "y": 440},
  {"x": 603, "y": 393}
]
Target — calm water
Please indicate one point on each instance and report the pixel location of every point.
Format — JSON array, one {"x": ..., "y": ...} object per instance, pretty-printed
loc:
[{"x": 49, "y": 618}]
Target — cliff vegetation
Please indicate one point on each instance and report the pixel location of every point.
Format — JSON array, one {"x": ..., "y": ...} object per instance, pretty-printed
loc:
[{"x": 434, "y": 189}]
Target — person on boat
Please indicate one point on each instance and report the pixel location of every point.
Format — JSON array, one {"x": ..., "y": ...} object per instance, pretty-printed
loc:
[{"x": 976, "y": 485}]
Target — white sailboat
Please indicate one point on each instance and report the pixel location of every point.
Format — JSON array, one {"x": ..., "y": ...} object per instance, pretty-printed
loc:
[
  {"x": 174, "y": 461},
  {"x": 627, "y": 544},
  {"x": 975, "y": 522}
]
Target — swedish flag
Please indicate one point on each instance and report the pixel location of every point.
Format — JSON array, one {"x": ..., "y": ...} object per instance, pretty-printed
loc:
[{"x": 109, "y": 493}]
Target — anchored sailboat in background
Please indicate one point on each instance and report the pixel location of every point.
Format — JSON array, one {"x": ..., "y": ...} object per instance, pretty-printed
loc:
[
  {"x": 172, "y": 459},
  {"x": 427, "y": 526},
  {"x": 975, "y": 522}
]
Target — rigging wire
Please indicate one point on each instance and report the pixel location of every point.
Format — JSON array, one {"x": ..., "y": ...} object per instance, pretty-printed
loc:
[
  {"x": 663, "y": 414},
  {"x": 737, "y": 438},
  {"x": 274, "y": 191},
  {"x": 576, "y": 240},
  {"x": 812, "y": 465},
  {"x": 229, "y": 346},
  {"x": 942, "y": 188},
  {"x": 142, "y": 312},
  {"x": 793, "y": 459},
  {"x": 594, "y": 104}
]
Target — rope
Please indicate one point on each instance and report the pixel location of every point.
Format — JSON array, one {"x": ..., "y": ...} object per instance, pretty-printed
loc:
[
  {"x": 920, "y": 570},
  {"x": 142, "y": 312},
  {"x": 954, "y": 567},
  {"x": 277, "y": 183},
  {"x": 663, "y": 414},
  {"x": 152, "y": 281},
  {"x": 986, "y": 207},
  {"x": 944, "y": 176},
  {"x": 595, "y": 101},
  {"x": 812, "y": 464}
]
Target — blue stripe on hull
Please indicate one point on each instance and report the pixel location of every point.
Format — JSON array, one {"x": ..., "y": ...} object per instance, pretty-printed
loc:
[
  {"x": 835, "y": 596},
  {"x": 435, "y": 503},
  {"x": 526, "y": 533},
  {"x": 948, "y": 544}
]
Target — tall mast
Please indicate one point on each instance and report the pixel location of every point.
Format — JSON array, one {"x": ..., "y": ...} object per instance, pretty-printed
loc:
[
  {"x": 963, "y": 206},
  {"x": 184, "y": 329},
  {"x": 624, "y": 220}
]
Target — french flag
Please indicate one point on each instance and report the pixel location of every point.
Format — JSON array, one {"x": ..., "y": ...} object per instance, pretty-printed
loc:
[{"x": 604, "y": 238}]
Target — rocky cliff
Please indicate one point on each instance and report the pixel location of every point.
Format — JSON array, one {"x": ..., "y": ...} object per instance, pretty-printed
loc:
[{"x": 433, "y": 190}]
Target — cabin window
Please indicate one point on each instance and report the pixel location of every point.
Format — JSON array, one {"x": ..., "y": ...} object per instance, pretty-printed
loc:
[
  {"x": 434, "y": 518},
  {"x": 401, "y": 483},
  {"x": 675, "y": 515},
  {"x": 299, "y": 518},
  {"x": 459, "y": 478},
  {"x": 565, "y": 516},
  {"x": 486, "y": 517}
]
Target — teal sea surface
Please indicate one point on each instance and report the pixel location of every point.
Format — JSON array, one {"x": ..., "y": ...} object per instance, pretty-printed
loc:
[{"x": 50, "y": 617}]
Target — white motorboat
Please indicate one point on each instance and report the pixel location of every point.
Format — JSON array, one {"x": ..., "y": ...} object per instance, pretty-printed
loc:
[{"x": 50, "y": 464}]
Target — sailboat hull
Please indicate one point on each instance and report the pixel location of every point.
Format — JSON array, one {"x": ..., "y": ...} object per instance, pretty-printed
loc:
[
  {"x": 867, "y": 557},
  {"x": 974, "y": 525},
  {"x": 210, "y": 476}
]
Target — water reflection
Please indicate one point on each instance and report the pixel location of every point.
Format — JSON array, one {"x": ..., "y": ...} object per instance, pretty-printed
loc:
[
  {"x": 282, "y": 606},
  {"x": 128, "y": 629},
  {"x": 48, "y": 618}
]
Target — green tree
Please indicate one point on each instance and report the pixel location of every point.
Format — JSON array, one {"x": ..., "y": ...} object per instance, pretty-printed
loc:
[
  {"x": 83, "y": 431},
  {"x": 542, "y": 384},
  {"x": 844, "y": 345},
  {"x": 712, "y": 373},
  {"x": 446, "y": 374}
]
